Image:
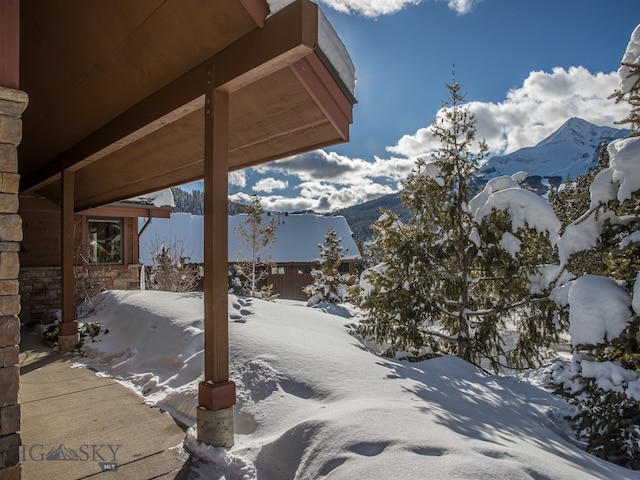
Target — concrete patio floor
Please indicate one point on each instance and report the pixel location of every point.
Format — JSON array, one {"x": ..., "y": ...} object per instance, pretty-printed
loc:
[{"x": 76, "y": 425}]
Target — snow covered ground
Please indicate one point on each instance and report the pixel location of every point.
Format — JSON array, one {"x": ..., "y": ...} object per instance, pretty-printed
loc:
[{"x": 314, "y": 403}]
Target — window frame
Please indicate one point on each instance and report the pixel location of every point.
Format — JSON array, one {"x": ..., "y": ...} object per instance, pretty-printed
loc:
[
  {"x": 277, "y": 270},
  {"x": 302, "y": 268},
  {"x": 93, "y": 260}
]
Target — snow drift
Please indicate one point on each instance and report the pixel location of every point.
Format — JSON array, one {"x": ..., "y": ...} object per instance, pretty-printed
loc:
[{"x": 313, "y": 402}]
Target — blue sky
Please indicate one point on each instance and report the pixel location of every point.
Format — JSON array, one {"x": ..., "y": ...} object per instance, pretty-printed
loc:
[{"x": 526, "y": 66}]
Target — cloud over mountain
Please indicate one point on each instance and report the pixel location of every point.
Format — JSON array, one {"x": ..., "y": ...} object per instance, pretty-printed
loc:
[{"x": 533, "y": 111}]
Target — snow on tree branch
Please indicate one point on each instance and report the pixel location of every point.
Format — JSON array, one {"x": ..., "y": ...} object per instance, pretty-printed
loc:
[
  {"x": 525, "y": 208},
  {"x": 592, "y": 299},
  {"x": 629, "y": 77}
]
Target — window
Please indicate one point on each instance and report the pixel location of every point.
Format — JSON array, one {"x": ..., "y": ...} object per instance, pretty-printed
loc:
[
  {"x": 302, "y": 269},
  {"x": 343, "y": 268},
  {"x": 104, "y": 238},
  {"x": 277, "y": 270}
]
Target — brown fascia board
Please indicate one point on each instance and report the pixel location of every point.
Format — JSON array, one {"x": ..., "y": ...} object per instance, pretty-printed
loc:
[
  {"x": 127, "y": 209},
  {"x": 258, "y": 9},
  {"x": 287, "y": 36},
  {"x": 327, "y": 91}
]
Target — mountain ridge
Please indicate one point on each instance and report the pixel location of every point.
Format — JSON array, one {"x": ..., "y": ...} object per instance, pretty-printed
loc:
[{"x": 571, "y": 150}]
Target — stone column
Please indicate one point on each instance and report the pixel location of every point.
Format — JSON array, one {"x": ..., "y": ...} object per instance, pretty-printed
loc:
[{"x": 12, "y": 104}]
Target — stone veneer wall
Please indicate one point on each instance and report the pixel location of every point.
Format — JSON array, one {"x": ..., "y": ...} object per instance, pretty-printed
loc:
[
  {"x": 12, "y": 104},
  {"x": 41, "y": 287}
]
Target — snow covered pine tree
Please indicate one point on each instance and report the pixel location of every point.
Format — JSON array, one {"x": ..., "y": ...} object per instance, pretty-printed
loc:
[
  {"x": 449, "y": 282},
  {"x": 601, "y": 251},
  {"x": 329, "y": 284}
]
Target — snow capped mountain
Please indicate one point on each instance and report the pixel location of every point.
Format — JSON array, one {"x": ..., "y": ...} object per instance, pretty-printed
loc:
[{"x": 570, "y": 150}]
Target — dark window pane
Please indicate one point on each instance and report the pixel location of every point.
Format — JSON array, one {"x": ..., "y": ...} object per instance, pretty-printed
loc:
[{"x": 104, "y": 240}]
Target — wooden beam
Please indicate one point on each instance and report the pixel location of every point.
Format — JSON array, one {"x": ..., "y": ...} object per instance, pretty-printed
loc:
[
  {"x": 129, "y": 212},
  {"x": 67, "y": 261},
  {"x": 258, "y": 9},
  {"x": 321, "y": 86},
  {"x": 10, "y": 43},
  {"x": 288, "y": 36}
]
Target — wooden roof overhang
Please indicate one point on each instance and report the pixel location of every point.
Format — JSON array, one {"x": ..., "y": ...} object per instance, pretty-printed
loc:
[
  {"x": 117, "y": 90},
  {"x": 125, "y": 209}
]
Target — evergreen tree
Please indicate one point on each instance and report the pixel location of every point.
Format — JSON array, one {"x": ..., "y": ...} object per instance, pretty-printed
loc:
[
  {"x": 570, "y": 203},
  {"x": 369, "y": 256},
  {"x": 615, "y": 254},
  {"x": 447, "y": 285},
  {"x": 607, "y": 415},
  {"x": 188, "y": 202},
  {"x": 572, "y": 199},
  {"x": 329, "y": 284},
  {"x": 256, "y": 237},
  {"x": 629, "y": 92},
  {"x": 193, "y": 202}
]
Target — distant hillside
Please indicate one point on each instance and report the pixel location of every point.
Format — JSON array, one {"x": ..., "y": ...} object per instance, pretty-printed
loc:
[{"x": 361, "y": 217}]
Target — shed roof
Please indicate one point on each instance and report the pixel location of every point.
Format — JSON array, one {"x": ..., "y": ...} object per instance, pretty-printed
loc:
[
  {"x": 297, "y": 237},
  {"x": 117, "y": 87}
]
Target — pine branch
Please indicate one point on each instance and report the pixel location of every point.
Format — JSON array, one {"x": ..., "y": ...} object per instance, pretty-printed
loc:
[
  {"x": 441, "y": 335},
  {"x": 449, "y": 303}
]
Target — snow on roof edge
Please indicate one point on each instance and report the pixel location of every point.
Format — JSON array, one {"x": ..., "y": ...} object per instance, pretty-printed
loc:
[{"x": 162, "y": 198}]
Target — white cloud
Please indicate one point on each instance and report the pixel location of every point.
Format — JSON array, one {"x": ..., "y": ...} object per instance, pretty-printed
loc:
[
  {"x": 314, "y": 190},
  {"x": 462, "y": 6},
  {"x": 533, "y": 111},
  {"x": 391, "y": 168},
  {"x": 321, "y": 165},
  {"x": 376, "y": 8},
  {"x": 238, "y": 178},
  {"x": 270, "y": 184},
  {"x": 320, "y": 197},
  {"x": 329, "y": 167},
  {"x": 369, "y": 8}
]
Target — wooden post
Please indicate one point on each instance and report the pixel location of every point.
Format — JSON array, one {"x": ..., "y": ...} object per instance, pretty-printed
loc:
[
  {"x": 216, "y": 395},
  {"x": 215, "y": 239},
  {"x": 68, "y": 328},
  {"x": 10, "y": 43}
]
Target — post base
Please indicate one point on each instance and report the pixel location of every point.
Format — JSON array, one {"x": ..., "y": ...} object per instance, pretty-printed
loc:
[
  {"x": 68, "y": 343},
  {"x": 68, "y": 337},
  {"x": 215, "y": 427}
]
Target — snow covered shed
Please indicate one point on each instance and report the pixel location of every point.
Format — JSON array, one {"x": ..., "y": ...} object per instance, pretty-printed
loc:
[{"x": 293, "y": 253}]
